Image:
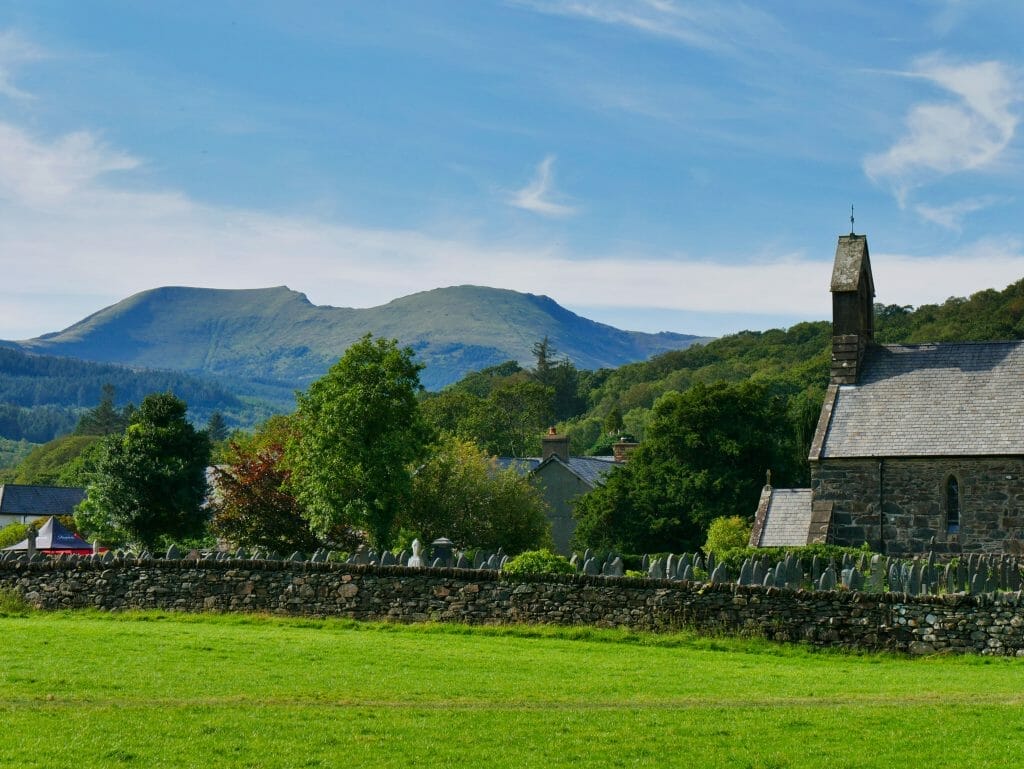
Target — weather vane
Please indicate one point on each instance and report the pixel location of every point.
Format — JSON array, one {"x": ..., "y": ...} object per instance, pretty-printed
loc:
[{"x": 851, "y": 218}]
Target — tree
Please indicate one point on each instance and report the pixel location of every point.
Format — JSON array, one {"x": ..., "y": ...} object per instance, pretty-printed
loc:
[
  {"x": 461, "y": 493},
  {"x": 104, "y": 418},
  {"x": 359, "y": 429},
  {"x": 151, "y": 481},
  {"x": 253, "y": 504},
  {"x": 704, "y": 456},
  {"x": 216, "y": 428}
]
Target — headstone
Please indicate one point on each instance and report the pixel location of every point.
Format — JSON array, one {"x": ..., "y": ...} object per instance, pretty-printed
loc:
[
  {"x": 876, "y": 582},
  {"x": 914, "y": 584},
  {"x": 796, "y": 571},
  {"x": 698, "y": 562},
  {"x": 757, "y": 573},
  {"x": 462, "y": 562},
  {"x": 769, "y": 578},
  {"x": 173, "y": 554},
  {"x": 437, "y": 564},
  {"x": 657, "y": 569},
  {"x": 684, "y": 561},
  {"x": 442, "y": 549},
  {"x": 296, "y": 556},
  {"x": 687, "y": 574},
  {"x": 273, "y": 556},
  {"x": 645, "y": 562},
  {"x": 388, "y": 559},
  {"x": 746, "y": 573},
  {"x": 504, "y": 559},
  {"x": 711, "y": 562},
  {"x": 816, "y": 569},
  {"x": 828, "y": 579},
  {"x": 240, "y": 554},
  {"x": 616, "y": 568},
  {"x": 590, "y": 568},
  {"x": 670, "y": 567},
  {"x": 719, "y": 574},
  {"x": 950, "y": 579},
  {"x": 575, "y": 562},
  {"x": 978, "y": 584},
  {"x": 493, "y": 563},
  {"x": 416, "y": 561},
  {"x": 31, "y": 535}
]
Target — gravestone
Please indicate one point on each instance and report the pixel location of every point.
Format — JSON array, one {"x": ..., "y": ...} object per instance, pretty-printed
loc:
[
  {"x": 720, "y": 574},
  {"x": 670, "y": 567},
  {"x": 746, "y": 573},
  {"x": 769, "y": 579},
  {"x": 877, "y": 577},
  {"x": 616, "y": 568},
  {"x": 173, "y": 554},
  {"x": 387, "y": 559},
  {"x": 758, "y": 572},
  {"x": 462, "y": 562},
  {"x": 657, "y": 569},
  {"x": 828, "y": 579},
  {"x": 816, "y": 569},
  {"x": 687, "y": 574},
  {"x": 590, "y": 568}
]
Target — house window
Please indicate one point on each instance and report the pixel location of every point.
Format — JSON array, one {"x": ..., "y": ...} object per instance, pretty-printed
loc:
[{"x": 952, "y": 505}]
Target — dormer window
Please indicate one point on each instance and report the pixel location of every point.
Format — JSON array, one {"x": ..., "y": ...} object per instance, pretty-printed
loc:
[{"x": 952, "y": 505}]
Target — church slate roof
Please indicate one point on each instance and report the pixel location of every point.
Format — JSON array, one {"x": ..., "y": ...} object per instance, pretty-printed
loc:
[
  {"x": 950, "y": 399},
  {"x": 787, "y": 519}
]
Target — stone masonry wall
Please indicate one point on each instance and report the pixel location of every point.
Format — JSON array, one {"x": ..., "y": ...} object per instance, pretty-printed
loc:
[
  {"x": 911, "y": 493},
  {"x": 923, "y": 624}
]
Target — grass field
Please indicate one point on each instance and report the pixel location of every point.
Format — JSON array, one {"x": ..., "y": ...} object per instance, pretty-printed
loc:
[{"x": 158, "y": 690}]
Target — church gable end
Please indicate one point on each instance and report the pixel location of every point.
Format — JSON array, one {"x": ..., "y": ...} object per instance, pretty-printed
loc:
[{"x": 853, "y": 295}]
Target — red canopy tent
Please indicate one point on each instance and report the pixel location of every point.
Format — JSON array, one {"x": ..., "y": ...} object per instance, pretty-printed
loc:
[{"x": 54, "y": 539}]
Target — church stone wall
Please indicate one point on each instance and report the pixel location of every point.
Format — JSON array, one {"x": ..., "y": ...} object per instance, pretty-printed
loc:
[{"x": 911, "y": 494}]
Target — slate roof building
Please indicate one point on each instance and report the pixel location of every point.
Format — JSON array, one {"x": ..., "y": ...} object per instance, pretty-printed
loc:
[
  {"x": 24, "y": 503},
  {"x": 918, "y": 447},
  {"x": 562, "y": 477}
]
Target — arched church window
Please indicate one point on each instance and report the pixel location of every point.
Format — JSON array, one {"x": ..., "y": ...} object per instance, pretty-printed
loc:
[{"x": 952, "y": 505}]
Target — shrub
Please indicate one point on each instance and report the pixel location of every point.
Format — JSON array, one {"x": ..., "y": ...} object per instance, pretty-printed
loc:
[
  {"x": 726, "y": 533},
  {"x": 12, "y": 534},
  {"x": 734, "y": 558},
  {"x": 539, "y": 562}
]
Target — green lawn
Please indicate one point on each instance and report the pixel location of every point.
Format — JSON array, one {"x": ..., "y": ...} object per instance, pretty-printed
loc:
[{"x": 155, "y": 690}]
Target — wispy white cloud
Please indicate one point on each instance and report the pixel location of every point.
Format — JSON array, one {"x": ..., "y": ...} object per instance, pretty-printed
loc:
[
  {"x": 536, "y": 196},
  {"x": 951, "y": 216},
  {"x": 15, "y": 50},
  {"x": 967, "y": 133},
  {"x": 721, "y": 27},
  {"x": 93, "y": 242}
]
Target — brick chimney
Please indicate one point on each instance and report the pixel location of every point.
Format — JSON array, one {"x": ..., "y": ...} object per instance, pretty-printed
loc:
[
  {"x": 622, "y": 448},
  {"x": 554, "y": 444},
  {"x": 853, "y": 308}
]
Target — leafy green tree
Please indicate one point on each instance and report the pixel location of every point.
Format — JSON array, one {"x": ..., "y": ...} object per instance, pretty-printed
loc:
[
  {"x": 704, "y": 456},
  {"x": 253, "y": 504},
  {"x": 461, "y": 493},
  {"x": 151, "y": 481},
  {"x": 49, "y": 464},
  {"x": 359, "y": 430},
  {"x": 727, "y": 533}
]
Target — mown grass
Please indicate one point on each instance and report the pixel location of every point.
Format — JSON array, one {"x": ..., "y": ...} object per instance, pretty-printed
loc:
[{"x": 84, "y": 690}]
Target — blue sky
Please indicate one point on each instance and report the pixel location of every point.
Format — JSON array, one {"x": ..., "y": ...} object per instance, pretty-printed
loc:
[{"x": 653, "y": 164}]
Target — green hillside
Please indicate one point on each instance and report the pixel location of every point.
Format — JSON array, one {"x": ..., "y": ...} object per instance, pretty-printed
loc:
[
  {"x": 43, "y": 396},
  {"x": 270, "y": 342}
]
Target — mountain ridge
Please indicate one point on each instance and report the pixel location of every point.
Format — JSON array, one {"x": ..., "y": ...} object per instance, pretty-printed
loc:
[{"x": 276, "y": 338}]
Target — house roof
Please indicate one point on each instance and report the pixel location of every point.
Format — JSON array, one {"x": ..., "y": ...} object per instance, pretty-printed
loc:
[
  {"x": 591, "y": 470},
  {"x": 17, "y": 499},
  {"x": 787, "y": 518},
  {"x": 951, "y": 399}
]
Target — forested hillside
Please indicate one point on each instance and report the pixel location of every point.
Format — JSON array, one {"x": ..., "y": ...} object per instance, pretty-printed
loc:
[{"x": 42, "y": 397}]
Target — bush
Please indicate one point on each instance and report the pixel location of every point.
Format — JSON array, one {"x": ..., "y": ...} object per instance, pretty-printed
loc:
[
  {"x": 539, "y": 562},
  {"x": 727, "y": 533},
  {"x": 12, "y": 534}
]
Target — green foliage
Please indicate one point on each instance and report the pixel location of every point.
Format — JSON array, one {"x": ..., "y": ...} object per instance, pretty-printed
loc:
[
  {"x": 704, "y": 457},
  {"x": 253, "y": 504},
  {"x": 216, "y": 428},
  {"x": 460, "y": 493},
  {"x": 12, "y": 453},
  {"x": 54, "y": 463},
  {"x": 359, "y": 429},
  {"x": 538, "y": 562},
  {"x": 727, "y": 533},
  {"x": 105, "y": 418},
  {"x": 12, "y": 534},
  {"x": 150, "y": 482}
]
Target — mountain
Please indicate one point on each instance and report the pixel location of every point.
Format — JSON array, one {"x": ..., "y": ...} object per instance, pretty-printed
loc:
[{"x": 269, "y": 342}]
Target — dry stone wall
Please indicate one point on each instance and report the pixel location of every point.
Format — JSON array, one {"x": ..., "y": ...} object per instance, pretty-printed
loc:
[{"x": 986, "y": 624}]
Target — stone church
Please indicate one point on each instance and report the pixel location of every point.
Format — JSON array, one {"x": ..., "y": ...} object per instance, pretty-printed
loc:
[{"x": 918, "y": 447}]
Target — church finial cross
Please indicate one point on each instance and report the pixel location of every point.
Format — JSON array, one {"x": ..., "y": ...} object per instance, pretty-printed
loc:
[{"x": 851, "y": 218}]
